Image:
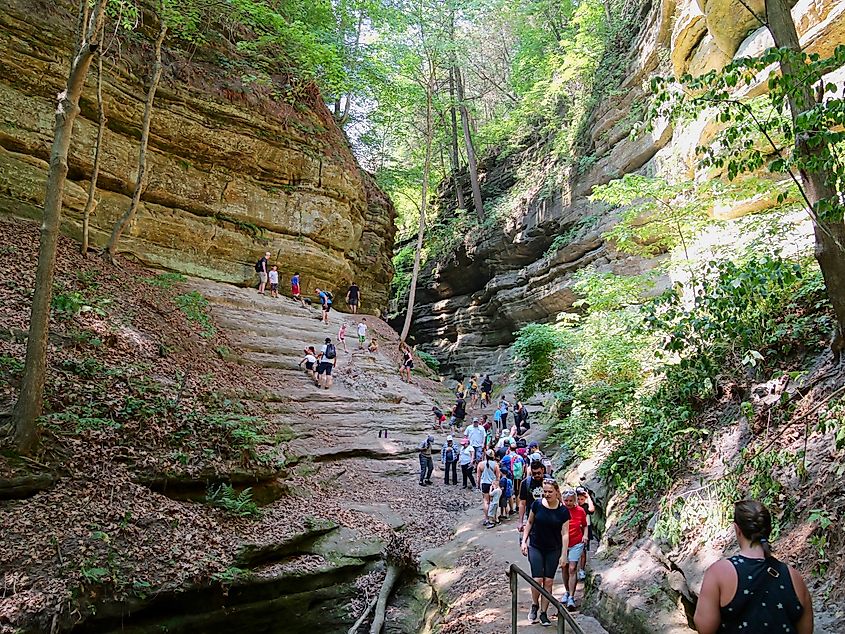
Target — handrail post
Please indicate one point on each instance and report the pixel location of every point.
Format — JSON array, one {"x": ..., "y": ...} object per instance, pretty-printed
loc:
[
  {"x": 564, "y": 617},
  {"x": 514, "y": 579}
]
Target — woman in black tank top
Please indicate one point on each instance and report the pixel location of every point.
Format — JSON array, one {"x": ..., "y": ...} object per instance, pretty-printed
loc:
[{"x": 753, "y": 592}]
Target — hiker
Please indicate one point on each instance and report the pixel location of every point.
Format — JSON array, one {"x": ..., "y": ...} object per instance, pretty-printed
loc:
[
  {"x": 341, "y": 336},
  {"x": 486, "y": 391},
  {"x": 362, "y": 333},
  {"x": 487, "y": 473},
  {"x": 426, "y": 461},
  {"x": 466, "y": 459},
  {"x": 520, "y": 416},
  {"x": 449, "y": 458},
  {"x": 503, "y": 408},
  {"x": 735, "y": 590},
  {"x": 497, "y": 419},
  {"x": 530, "y": 491},
  {"x": 310, "y": 360},
  {"x": 373, "y": 347},
  {"x": 496, "y": 495},
  {"x": 273, "y": 276},
  {"x": 407, "y": 362},
  {"x": 577, "y": 543},
  {"x": 585, "y": 501},
  {"x": 325, "y": 303},
  {"x": 262, "y": 270},
  {"x": 473, "y": 392},
  {"x": 295, "y": 291},
  {"x": 459, "y": 389},
  {"x": 506, "y": 499},
  {"x": 439, "y": 417},
  {"x": 353, "y": 297},
  {"x": 459, "y": 413},
  {"x": 477, "y": 436},
  {"x": 545, "y": 539},
  {"x": 328, "y": 361}
]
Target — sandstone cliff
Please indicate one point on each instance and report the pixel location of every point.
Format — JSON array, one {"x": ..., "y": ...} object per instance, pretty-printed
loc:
[
  {"x": 472, "y": 302},
  {"x": 235, "y": 169}
]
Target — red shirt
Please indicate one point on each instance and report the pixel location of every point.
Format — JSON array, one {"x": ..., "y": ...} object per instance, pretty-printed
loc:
[{"x": 577, "y": 524}]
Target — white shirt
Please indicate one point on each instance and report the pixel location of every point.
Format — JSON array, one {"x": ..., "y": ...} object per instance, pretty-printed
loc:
[
  {"x": 310, "y": 358},
  {"x": 362, "y": 330},
  {"x": 476, "y": 435},
  {"x": 274, "y": 277},
  {"x": 323, "y": 351},
  {"x": 467, "y": 455}
]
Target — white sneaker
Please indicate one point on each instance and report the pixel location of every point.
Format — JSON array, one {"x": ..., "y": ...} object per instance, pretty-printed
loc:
[
  {"x": 564, "y": 598},
  {"x": 582, "y": 574}
]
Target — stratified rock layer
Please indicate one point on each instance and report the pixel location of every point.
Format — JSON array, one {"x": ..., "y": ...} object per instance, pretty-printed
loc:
[
  {"x": 473, "y": 301},
  {"x": 233, "y": 170}
]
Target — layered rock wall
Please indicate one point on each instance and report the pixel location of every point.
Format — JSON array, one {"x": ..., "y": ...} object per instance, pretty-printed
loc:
[
  {"x": 474, "y": 301},
  {"x": 234, "y": 170}
]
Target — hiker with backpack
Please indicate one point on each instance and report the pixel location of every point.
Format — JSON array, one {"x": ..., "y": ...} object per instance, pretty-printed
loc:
[
  {"x": 325, "y": 303},
  {"x": 426, "y": 461},
  {"x": 328, "y": 361},
  {"x": 262, "y": 268},
  {"x": 449, "y": 457}
]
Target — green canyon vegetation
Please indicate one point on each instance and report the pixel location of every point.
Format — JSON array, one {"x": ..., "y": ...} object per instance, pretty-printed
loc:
[{"x": 628, "y": 211}]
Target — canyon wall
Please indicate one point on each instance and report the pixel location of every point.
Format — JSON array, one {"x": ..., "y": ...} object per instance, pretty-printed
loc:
[
  {"x": 473, "y": 301},
  {"x": 235, "y": 168}
]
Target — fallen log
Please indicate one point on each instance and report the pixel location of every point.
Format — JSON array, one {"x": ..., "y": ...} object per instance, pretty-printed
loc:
[
  {"x": 394, "y": 571},
  {"x": 363, "y": 617}
]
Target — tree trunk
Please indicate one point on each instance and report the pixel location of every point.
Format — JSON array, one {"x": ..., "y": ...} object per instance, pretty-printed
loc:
[
  {"x": 390, "y": 579},
  {"x": 471, "y": 161},
  {"x": 29, "y": 404},
  {"x": 828, "y": 227},
  {"x": 140, "y": 182},
  {"x": 429, "y": 133},
  {"x": 91, "y": 203},
  {"x": 453, "y": 150}
]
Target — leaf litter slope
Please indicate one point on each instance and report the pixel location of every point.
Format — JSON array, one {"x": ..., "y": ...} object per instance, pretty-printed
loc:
[{"x": 135, "y": 392}]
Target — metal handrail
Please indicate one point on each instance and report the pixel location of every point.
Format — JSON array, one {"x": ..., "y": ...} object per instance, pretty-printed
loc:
[{"x": 564, "y": 618}]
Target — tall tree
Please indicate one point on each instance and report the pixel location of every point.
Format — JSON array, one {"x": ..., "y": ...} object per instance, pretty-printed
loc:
[
  {"x": 454, "y": 154},
  {"x": 91, "y": 202},
  {"x": 429, "y": 136},
  {"x": 141, "y": 178},
  {"x": 472, "y": 162},
  {"x": 29, "y": 404},
  {"x": 812, "y": 152}
]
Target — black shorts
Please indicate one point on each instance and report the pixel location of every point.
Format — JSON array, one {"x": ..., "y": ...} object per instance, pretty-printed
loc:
[
  {"x": 353, "y": 302},
  {"x": 544, "y": 563},
  {"x": 327, "y": 307},
  {"x": 503, "y": 501},
  {"x": 274, "y": 287},
  {"x": 309, "y": 365},
  {"x": 485, "y": 489},
  {"x": 409, "y": 365},
  {"x": 325, "y": 368}
]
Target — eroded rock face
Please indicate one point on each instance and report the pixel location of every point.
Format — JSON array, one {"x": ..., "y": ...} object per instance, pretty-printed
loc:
[
  {"x": 471, "y": 304},
  {"x": 232, "y": 172}
]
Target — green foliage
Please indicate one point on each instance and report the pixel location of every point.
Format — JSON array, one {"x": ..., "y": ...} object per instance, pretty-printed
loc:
[
  {"x": 165, "y": 280},
  {"x": 72, "y": 303},
  {"x": 566, "y": 238},
  {"x": 236, "y": 503},
  {"x": 403, "y": 265},
  {"x": 535, "y": 353},
  {"x": 761, "y": 133},
  {"x": 195, "y": 307},
  {"x": 230, "y": 575},
  {"x": 244, "y": 432},
  {"x": 430, "y": 360}
]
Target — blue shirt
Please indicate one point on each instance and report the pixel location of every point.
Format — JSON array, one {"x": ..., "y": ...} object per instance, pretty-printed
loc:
[
  {"x": 294, "y": 281},
  {"x": 324, "y": 299}
]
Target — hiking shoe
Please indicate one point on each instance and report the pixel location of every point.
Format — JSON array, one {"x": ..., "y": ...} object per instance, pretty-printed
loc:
[
  {"x": 544, "y": 619},
  {"x": 532, "y": 614},
  {"x": 570, "y": 605},
  {"x": 582, "y": 574},
  {"x": 564, "y": 598}
]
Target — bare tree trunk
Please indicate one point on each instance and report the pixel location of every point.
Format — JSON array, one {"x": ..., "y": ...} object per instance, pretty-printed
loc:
[
  {"x": 390, "y": 579},
  {"x": 454, "y": 154},
  {"x": 29, "y": 404},
  {"x": 829, "y": 228},
  {"x": 348, "y": 105},
  {"x": 429, "y": 134},
  {"x": 140, "y": 182},
  {"x": 478, "y": 203},
  {"x": 91, "y": 203}
]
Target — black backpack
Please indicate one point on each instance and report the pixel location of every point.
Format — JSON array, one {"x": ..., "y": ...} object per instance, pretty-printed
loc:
[
  {"x": 329, "y": 296},
  {"x": 331, "y": 352},
  {"x": 258, "y": 267}
]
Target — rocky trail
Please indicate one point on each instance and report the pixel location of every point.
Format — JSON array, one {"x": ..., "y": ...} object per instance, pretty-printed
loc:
[{"x": 343, "y": 425}]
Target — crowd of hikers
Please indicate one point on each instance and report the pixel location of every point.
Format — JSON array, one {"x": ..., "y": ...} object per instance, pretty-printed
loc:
[{"x": 554, "y": 521}]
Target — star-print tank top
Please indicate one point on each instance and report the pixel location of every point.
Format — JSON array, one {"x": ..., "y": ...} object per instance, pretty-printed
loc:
[{"x": 765, "y": 600}]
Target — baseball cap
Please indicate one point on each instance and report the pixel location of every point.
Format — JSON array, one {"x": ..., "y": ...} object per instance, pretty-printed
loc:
[
  {"x": 475, "y": 419},
  {"x": 580, "y": 490},
  {"x": 449, "y": 437},
  {"x": 491, "y": 453},
  {"x": 430, "y": 438},
  {"x": 533, "y": 444}
]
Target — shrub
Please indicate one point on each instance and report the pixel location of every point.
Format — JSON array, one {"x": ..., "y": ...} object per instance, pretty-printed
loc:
[{"x": 430, "y": 360}]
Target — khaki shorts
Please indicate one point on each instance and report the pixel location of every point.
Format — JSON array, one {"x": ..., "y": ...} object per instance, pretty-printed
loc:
[{"x": 262, "y": 276}]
